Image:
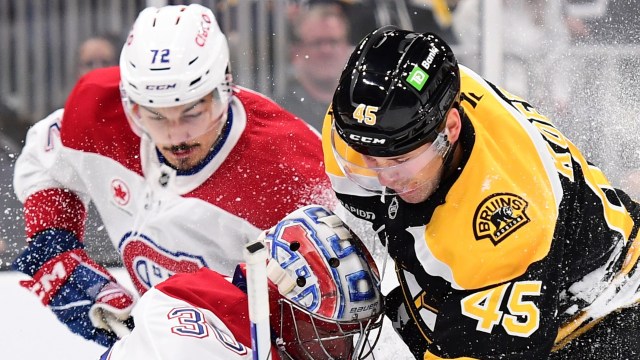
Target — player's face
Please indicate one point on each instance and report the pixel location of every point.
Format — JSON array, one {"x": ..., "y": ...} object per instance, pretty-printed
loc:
[
  {"x": 413, "y": 176},
  {"x": 184, "y": 134},
  {"x": 321, "y": 55},
  {"x": 96, "y": 53}
]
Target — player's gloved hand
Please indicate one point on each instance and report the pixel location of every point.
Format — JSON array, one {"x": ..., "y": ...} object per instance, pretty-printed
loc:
[
  {"x": 80, "y": 292},
  {"x": 112, "y": 310}
]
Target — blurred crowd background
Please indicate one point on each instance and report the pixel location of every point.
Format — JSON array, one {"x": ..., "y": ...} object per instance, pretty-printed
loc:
[{"x": 577, "y": 61}]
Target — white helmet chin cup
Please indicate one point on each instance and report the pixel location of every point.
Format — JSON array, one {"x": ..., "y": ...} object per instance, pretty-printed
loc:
[{"x": 174, "y": 55}]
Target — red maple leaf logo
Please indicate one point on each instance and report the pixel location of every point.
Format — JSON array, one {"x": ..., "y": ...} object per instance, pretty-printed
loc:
[{"x": 120, "y": 192}]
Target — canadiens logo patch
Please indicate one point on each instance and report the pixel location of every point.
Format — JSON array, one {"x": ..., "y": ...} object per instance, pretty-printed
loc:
[
  {"x": 120, "y": 192},
  {"x": 499, "y": 216},
  {"x": 149, "y": 264}
]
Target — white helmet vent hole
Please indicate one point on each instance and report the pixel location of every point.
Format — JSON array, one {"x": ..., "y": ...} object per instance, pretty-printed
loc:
[
  {"x": 194, "y": 60},
  {"x": 195, "y": 81}
]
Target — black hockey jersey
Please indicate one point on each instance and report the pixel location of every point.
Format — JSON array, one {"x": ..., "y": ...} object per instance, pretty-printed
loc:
[{"x": 519, "y": 251}]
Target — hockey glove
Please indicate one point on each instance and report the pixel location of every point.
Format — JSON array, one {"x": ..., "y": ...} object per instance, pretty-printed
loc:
[{"x": 80, "y": 292}]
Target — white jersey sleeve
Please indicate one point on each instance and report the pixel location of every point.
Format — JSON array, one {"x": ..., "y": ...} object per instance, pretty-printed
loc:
[{"x": 40, "y": 164}]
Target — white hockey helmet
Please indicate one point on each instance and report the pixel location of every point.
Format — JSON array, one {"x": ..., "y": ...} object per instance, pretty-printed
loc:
[{"x": 174, "y": 55}]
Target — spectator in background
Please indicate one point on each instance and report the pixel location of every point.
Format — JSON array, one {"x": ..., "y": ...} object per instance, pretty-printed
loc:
[
  {"x": 97, "y": 52},
  {"x": 319, "y": 49}
]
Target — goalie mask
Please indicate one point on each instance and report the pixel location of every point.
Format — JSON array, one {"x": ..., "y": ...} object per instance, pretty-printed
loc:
[
  {"x": 329, "y": 284},
  {"x": 175, "y": 58}
]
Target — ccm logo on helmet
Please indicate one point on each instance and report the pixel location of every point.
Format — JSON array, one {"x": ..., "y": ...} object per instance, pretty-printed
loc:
[
  {"x": 205, "y": 25},
  {"x": 161, "y": 87},
  {"x": 366, "y": 139}
]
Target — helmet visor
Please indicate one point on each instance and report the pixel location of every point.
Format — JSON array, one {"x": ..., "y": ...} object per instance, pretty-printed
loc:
[
  {"x": 178, "y": 124},
  {"x": 400, "y": 173}
]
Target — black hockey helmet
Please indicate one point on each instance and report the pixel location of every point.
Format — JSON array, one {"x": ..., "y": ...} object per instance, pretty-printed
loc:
[{"x": 395, "y": 92}]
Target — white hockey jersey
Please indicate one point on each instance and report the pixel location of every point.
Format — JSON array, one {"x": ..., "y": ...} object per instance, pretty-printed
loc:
[
  {"x": 191, "y": 316},
  {"x": 164, "y": 221}
]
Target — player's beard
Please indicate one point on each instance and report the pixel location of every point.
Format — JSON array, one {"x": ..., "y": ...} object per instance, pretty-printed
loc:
[
  {"x": 187, "y": 162},
  {"x": 423, "y": 190}
]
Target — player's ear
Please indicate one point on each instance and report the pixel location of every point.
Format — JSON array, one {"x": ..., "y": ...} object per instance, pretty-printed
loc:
[
  {"x": 228, "y": 76},
  {"x": 453, "y": 125},
  {"x": 135, "y": 108}
]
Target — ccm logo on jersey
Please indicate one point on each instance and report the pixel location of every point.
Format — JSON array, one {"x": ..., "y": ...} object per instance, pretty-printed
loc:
[
  {"x": 498, "y": 216},
  {"x": 149, "y": 264}
]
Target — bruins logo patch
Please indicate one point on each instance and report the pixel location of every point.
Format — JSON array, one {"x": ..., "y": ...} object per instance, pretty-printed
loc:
[{"x": 499, "y": 216}]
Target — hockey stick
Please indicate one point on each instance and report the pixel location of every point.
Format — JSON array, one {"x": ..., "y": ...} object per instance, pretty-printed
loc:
[{"x": 255, "y": 256}]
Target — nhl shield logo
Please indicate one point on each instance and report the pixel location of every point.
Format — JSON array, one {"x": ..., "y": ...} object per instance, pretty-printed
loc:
[
  {"x": 498, "y": 216},
  {"x": 393, "y": 208}
]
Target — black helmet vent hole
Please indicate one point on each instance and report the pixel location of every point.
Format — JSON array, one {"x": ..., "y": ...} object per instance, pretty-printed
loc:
[{"x": 294, "y": 246}]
